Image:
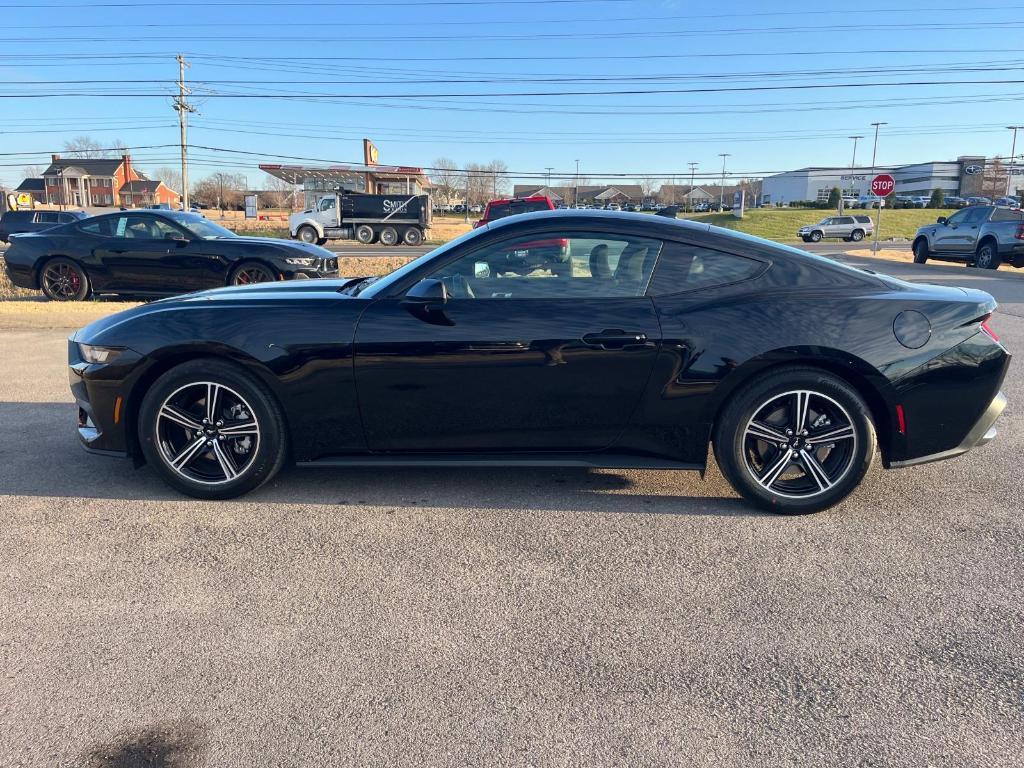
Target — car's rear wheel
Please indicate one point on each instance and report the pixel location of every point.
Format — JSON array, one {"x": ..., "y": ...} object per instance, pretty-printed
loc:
[
  {"x": 815, "y": 237},
  {"x": 920, "y": 252},
  {"x": 857, "y": 235},
  {"x": 212, "y": 430},
  {"x": 308, "y": 234},
  {"x": 795, "y": 441},
  {"x": 412, "y": 236},
  {"x": 987, "y": 256},
  {"x": 64, "y": 280},
  {"x": 365, "y": 234},
  {"x": 251, "y": 272},
  {"x": 389, "y": 236}
]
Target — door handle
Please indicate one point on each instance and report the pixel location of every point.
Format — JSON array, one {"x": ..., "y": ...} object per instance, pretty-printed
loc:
[{"x": 614, "y": 338}]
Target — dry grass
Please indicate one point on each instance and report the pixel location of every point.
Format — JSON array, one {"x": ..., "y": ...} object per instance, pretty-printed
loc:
[{"x": 39, "y": 313}]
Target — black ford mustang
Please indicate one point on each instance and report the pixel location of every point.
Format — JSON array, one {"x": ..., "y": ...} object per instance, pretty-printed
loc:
[
  {"x": 154, "y": 253},
  {"x": 568, "y": 338}
]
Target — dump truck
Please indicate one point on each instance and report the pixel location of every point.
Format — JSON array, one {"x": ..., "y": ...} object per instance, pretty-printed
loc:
[{"x": 346, "y": 215}]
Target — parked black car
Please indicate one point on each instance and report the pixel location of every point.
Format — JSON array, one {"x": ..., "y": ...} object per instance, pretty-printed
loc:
[
  {"x": 19, "y": 222},
  {"x": 152, "y": 252},
  {"x": 655, "y": 337}
]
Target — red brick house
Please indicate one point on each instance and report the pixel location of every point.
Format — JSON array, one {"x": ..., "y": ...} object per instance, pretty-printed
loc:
[
  {"x": 89, "y": 182},
  {"x": 141, "y": 193}
]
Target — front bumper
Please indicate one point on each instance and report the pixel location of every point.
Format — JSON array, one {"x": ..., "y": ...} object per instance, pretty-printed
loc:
[
  {"x": 327, "y": 267},
  {"x": 982, "y": 433},
  {"x": 100, "y": 393}
]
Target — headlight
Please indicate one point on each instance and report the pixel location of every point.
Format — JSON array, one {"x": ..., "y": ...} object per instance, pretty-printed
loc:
[
  {"x": 303, "y": 261},
  {"x": 93, "y": 354}
]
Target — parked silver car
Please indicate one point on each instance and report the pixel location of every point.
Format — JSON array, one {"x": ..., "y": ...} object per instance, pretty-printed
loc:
[{"x": 849, "y": 228}]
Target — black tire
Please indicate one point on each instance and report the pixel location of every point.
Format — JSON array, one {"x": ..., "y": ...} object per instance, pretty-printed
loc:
[
  {"x": 857, "y": 235},
  {"x": 389, "y": 236},
  {"x": 987, "y": 256},
  {"x": 805, "y": 238},
  {"x": 412, "y": 236},
  {"x": 308, "y": 234},
  {"x": 364, "y": 234},
  {"x": 64, "y": 280},
  {"x": 833, "y": 405},
  {"x": 921, "y": 252},
  {"x": 816, "y": 236},
  {"x": 250, "y": 272},
  {"x": 203, "y": 475}
]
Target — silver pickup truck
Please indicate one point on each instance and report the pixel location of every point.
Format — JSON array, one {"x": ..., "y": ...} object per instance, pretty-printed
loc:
[{"x": 983, "y": 236}]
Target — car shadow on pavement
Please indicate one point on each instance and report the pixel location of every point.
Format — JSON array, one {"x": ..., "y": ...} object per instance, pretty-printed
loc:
[
  {"x": 40, "y": 456},
  {"x": 180, "y": 744}
]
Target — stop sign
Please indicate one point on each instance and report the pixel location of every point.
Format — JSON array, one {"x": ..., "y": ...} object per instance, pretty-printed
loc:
[{"x": 882, "y": 185}]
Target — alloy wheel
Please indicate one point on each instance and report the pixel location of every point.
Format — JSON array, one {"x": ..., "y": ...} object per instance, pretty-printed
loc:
[
  {"x": 799, "y": 444},
  {"x": 207, "y": 433},
  {"x": 254, "y": 274},
  {"x": 62, "y": 280}
]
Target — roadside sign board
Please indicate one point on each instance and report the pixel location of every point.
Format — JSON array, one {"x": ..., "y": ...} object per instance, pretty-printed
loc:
[
  {"x": 738, "y": 200},
  {"x": 250, "y": 207},
  {"x": 883, "y": 185}
]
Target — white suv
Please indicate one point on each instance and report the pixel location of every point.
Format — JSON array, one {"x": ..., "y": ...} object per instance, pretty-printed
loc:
[{"x": 849, "y": 228}]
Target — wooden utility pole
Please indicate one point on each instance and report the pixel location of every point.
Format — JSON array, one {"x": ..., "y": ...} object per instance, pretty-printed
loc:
[{"x": 182, "y": 107}]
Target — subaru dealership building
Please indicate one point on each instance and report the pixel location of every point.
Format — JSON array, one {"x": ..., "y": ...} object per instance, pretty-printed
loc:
[{"x": 961, "y": 177}]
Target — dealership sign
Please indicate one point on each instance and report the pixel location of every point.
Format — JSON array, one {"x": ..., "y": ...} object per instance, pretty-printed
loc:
[{"x": 973, "y": 170}]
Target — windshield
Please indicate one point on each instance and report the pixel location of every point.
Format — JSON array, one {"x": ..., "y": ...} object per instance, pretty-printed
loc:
[
  {"x": 380, "y": 287},
  {"x": 203, "y": 228}
]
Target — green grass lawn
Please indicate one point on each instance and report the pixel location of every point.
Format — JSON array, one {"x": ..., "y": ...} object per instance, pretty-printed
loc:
[{"x": 782, "y": 223}]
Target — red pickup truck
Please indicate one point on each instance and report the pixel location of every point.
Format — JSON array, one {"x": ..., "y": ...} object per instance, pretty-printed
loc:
[{"x": 499, "y": 209}]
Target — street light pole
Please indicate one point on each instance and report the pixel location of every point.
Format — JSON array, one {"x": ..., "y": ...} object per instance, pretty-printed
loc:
[
  {"x": 881, "y": 202},
  {"x": 1013, "y": 152},
  {"x": 721, "y": 187},
  {"x": 549, "y": 168},
  {"x": 576, "y": 193},
  {"x": 689, "y": 195},
  {"x": 853, "y": 162}
]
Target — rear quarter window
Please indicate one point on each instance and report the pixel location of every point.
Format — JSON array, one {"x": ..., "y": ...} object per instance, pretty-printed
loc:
[
  {"x": 1007, "y": 214},
  {"x": 684, "y": 268}
]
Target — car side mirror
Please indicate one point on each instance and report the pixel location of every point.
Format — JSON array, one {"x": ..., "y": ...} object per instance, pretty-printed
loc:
[
  {"x": 176, "y": 237},
  {"x": 940, "y": 220},
  {"x": 425, "y": 301}
]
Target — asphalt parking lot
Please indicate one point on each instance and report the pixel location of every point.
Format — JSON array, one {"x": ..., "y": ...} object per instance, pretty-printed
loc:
[{"x": 500, "y": 617}]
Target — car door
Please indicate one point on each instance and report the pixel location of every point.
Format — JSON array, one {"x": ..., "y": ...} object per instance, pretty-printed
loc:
[
  {"x": 972, "y": 229},
  {"x": 138, "y": 255},
  {"x": 950, "y": 237},
  {"x": 545, "y": 343}
]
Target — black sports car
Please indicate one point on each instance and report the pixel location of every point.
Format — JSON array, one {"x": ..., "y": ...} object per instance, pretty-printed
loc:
[
  {"x": 637, "y": 344},
  {"x": 152, "y": 252}
]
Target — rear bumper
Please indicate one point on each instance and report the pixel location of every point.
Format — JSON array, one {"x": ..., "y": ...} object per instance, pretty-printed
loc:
[{"x": 982, "y": 433}]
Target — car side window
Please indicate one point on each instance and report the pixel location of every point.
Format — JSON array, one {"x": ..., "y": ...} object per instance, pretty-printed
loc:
[
  {"x": 96, "y": 227},
  {"x": 959, "y": 217},
  {"x": 571, "y": 265},
  {"x": 45, "y": 217},
  {"x": 977, "y": 215},
  {"x": 685, "y": 267},
  {"x": 1007, "y": 214},
  {"x": 327, "y": 204},
  {"x": 141, "y": 227}
]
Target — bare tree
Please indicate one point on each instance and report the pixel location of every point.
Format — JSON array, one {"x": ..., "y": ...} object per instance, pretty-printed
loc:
[
  {"x": 169, "y": 176},
  {"x": 648, "y": 186},
  {"x": 87, "y": 146},
  {"x": 221, "y": 190},
  {"x": 32, "y": 171},
  {"x": 277, "y": 193},
  {"x": 498, "y": 170},
  {"x": 993, "y": 180},
  {"x": 447, "y": 180}
]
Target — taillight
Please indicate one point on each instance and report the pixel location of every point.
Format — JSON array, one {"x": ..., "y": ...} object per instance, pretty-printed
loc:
[
  {"x": 1019, "y": 234},
  {"x": 988, "y": 329}
]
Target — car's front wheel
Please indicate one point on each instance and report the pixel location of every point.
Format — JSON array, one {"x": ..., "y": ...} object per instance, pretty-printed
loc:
[
  {"x": 251, "y": 272},
  {"x": 815, "y": 237},
  {"x": 920, "y": 252},
  {"x": 795, "y": 441},
  {"x": 212, "y": 430},
  {"x": 64, "y": 280},
  {"x": 308, "y": 234}
]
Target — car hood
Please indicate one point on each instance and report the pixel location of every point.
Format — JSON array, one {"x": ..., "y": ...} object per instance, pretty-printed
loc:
[
  {"x": 294, "y": 246},
  {"x": 267, "y": 294}
]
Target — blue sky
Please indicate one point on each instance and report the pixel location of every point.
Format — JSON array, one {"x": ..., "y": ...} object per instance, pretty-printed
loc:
[{"x": 744, "y": 78}]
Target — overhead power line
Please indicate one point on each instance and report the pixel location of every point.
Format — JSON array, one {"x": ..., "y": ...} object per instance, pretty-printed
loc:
[{"x": 507, "y": 94}]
